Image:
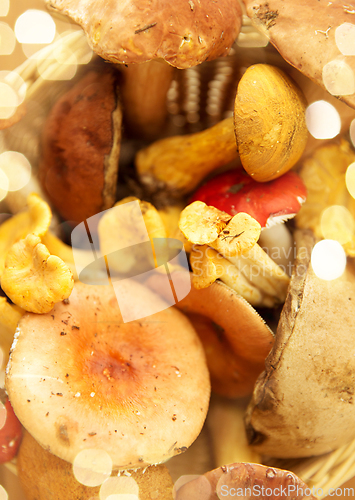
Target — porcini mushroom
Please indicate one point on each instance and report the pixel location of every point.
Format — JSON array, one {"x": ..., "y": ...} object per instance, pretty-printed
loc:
[
  {"x": 316, "y": 38},
  {"x": 302, "y": 403},
  {"x": 247, "y": 479},
  {"x": 266, "y": 97},
  {"x": 138, "y": 390},
  {"x": 80, "y": 147},
  {"x": 182, "y": 34}
]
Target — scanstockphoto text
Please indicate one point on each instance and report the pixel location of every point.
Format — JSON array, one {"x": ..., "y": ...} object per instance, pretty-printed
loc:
[
  {"x": 289, "y": 491},
  {"x": 244, "y": 264}
]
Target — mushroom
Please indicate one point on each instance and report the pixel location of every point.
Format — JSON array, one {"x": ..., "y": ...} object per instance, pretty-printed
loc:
[
  {"x": 35, "y": 220},
  {"x": 80, "y": 147},
  {"x": 235, "y": 337},
  {"x": 80, "y": 378},
  {"x": 39, "y": 470},
  {"x": 33, "y": 278},
  {"x": 315, "y": 38},
  {"x": 10, "y": 315},
  {"x": 330, "y": 207},
  {"x": 269, "y": 127},
  {"x": 235, "y": 238},
  {"x": 270, "y": 203},
  {"x": 302, "y": 403},
  {"x": 247, "y": 480},
  {"x": 183, "y": 34}
]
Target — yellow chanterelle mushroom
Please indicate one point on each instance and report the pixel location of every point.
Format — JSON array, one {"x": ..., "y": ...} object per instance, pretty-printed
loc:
[{"x": 33, "y": 278}]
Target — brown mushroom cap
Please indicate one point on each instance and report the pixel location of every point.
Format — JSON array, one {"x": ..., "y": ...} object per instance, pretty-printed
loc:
[
  {"x": 235, "y": 337},
  {"x": 80, "y": 147},
  {"x": 247, "y": 481},
  {"x": 183, "y": 32},
  {"x": 80, "y": 378},
  {"x": 305, "y": 32}
]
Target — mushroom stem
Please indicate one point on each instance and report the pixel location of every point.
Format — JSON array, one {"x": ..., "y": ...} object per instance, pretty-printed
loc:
[
  {"x": 211, "y": 266},
  {"x": 261, "y": 270},
  {"x": 144, "y": 92},
  {"x": 180, "y": 163}
]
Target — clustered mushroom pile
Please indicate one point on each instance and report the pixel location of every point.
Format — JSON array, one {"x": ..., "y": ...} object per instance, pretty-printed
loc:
[{"x": 107, "y": 395}]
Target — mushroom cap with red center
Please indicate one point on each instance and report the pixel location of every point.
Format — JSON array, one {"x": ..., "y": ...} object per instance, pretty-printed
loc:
[
  {"x": 267, "y": 202},
  {"x": 79, "y": 377},
  {"x": 184, "y": 32}
]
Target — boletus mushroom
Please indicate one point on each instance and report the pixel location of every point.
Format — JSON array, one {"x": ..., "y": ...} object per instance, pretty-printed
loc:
[
  {"x": 302, "y": 403},
  {"x": 79, "y": 378},
  {"x": 78, "y": 167}
]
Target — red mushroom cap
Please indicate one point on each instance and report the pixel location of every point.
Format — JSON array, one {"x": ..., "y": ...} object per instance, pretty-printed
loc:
[{"x": 268, "y": 202}]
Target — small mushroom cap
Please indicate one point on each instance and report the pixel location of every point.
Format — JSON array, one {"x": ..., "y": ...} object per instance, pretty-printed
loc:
[
  {"x": 80, "y": 378},
  {"x": 184, "y": 33},
  {"x": 33, "y": 278},
  {"x": 268, "y": 202},
  {"x": 250, "y": 480},
  {"x": 314, "y": 37}
]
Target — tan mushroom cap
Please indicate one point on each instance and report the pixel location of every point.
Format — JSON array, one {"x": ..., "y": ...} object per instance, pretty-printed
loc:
[
  {"x": 184, "y": 32},
  {"x": 315, "y": 37},
  {"x": 235, "y": 337},
  {"x": 80, "y": 378},
  {"x": 259, "y": 480}
]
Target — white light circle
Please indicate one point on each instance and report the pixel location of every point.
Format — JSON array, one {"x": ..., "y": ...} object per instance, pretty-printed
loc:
[
  {"x": 17, "y": 169},
  {"x": 119, "y": 488},
  {"x": 323, "y": 120},
  {"x": 350, "y": 179},
  {"x": 8, "y": 101},
  {"x": 345, "y": 38},
  {"x": 4, "y": 7},
  {"x": 3, "y": 493},
  {"x": 205, "y": 489},
  {"x": 328, "y": 260},
  {"x": 35, "y": 26},
  {"x": 338, "y": 78},
  {"x": 7, "y": 40},
  {"x": 91, "y": 467},
  {"x": 4, "y": 185}
]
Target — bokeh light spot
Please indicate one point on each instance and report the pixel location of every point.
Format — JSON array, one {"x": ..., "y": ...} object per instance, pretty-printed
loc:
[
  {"x": 352, "y": 132},
  {"x": 8, "y": 101},
  {"x": 7, "y": 40},
  {"x": 345, "y": 39},
  {"x": 204, "y": 488},
  {"x": 17, "y": 169},
  {"x": 3, "y": 493},
  {"x": 4, "y": 7},
  {"x": 92, "y": 467},
  {"x": 35, "y": 26},
  {"x": 4, "y": 185},
  {"x": 337, "y": 223},
  {"x": 323, "y": 120},
  {"x": 119, "y": 488},
  {"x": 338, "y": 78},
  {"x": 3, "y": 415},
  {"x": 16, "y": 82},
  {"x": 328, "y": 260},
  {"x": 350, "y": 179}
]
